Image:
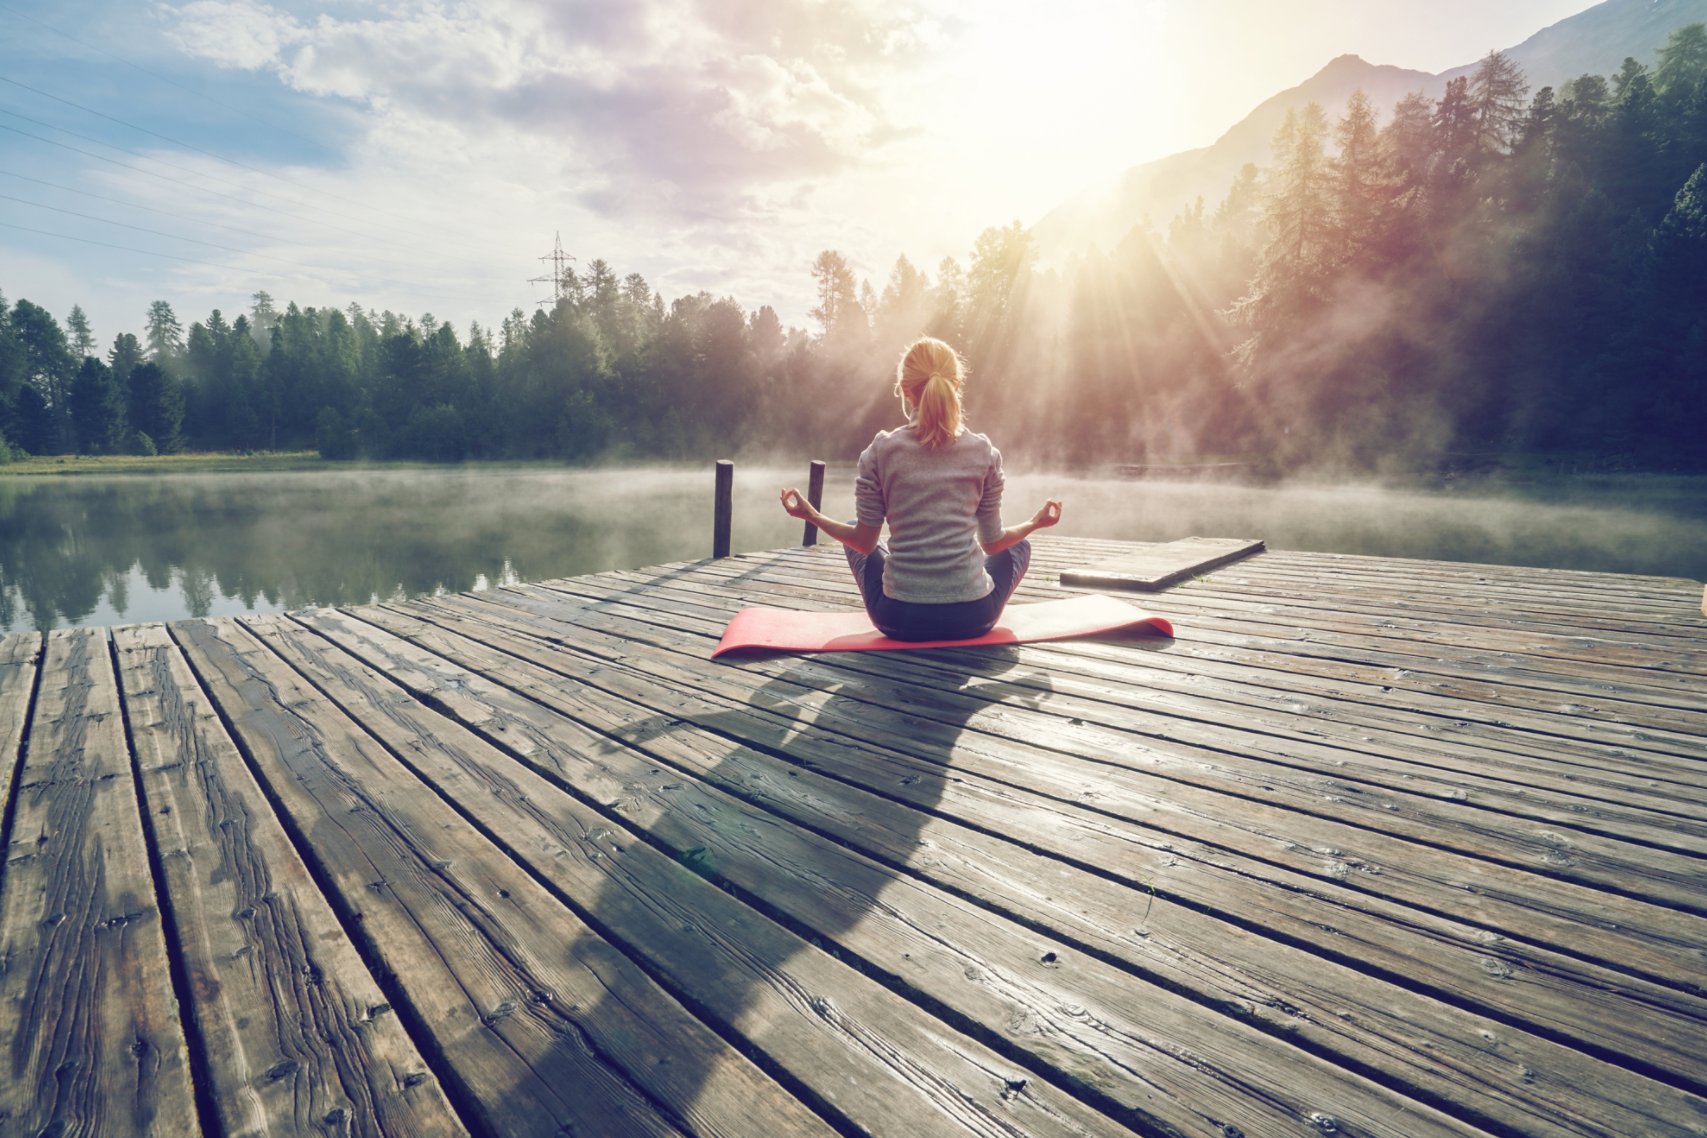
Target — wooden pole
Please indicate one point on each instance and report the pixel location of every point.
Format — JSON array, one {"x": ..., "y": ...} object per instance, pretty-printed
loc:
[
  {"x": 815, "y": 495},
  {"x": 723, "y": 509}
]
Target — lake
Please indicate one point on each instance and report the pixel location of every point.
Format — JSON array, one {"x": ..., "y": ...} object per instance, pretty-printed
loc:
[{"x": 93, "y": 549}]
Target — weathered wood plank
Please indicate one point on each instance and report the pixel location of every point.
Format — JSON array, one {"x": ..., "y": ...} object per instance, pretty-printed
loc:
[
  {"x": 1303, "y": 743},
  {"x": 1569, "y": 705},
  {"x": 1021, "y": 772},
  {"x": 1424, "y": 734},
  {"x": 1538, "y": 611},
  {"x": 1661, "y": 662},
  {"x": 1523, "y": 1081},
  {"x": 20, "y": 657},
  {"x": 1416, "y": 739},
  {"x": 1548, "y": 715},
  {"x": 1586, "y": 583},
  {"x": 1196, "y": 759},
  {"x": 1663, "y": 616},
  {"x": 1656, "y": 666},
  {"x": 1471, "y": 581},
  {"x": 1151, "y": 567},
  {"x": 886, "y": 1066},
  {"x": 295, "y": 1034},
  {"x": 1075, "y": 1014},
  {"x": 547, "y": 1027},
  {"x": 89, "y": 1028}
]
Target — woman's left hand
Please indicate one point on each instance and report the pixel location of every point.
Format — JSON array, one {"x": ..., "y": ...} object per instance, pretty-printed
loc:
[{"x": 1048, "y": 515}]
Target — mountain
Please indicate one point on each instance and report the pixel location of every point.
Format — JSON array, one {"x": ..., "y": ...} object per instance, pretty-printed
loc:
[
  {"x": 1593, "y": 42},
  {"x": 1598, "y": 41},
  {"x": 1158, "y": 190}
]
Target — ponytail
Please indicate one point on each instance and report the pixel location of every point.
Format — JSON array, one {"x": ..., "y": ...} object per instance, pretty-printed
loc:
[{"x": 930, "y": 377}]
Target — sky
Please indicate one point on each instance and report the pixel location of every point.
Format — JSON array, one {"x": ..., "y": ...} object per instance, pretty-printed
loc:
[{"x": 422, "y": 156}]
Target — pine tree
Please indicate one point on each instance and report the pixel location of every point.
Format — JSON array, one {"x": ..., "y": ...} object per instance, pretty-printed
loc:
[
  {"x": 165, "y": 335},
  {"x": 904, "y": 308},
  {"x": 126, "y": 354},
  {"x": 948, "y": 303},
  {"x": 837, "y": 300},
  {"x": 156, "y": 408},
  {"x": 262, "y": 317},
  {"x": 1358, "y": 189},
  {"x": 1457, "y": 137},
  {"x": 1496, "y": 101},
  {"x": 81, "y": 337},
  {"x": 1298, "y": 214},
  {"x": 1682, "y": 63},
  {"x": 1002, "y": 260},
  {"x": 97, "y": 409},
  {"x": 47, "y": 369}
]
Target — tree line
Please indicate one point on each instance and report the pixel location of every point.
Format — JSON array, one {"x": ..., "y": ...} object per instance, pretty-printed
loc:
[{"x": 1489, "y": 273}]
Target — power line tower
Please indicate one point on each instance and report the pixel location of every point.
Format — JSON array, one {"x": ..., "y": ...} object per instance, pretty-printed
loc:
[{"x": 559, "y": 270}]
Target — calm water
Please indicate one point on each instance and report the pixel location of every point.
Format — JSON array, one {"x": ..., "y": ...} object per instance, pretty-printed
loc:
[{"x": 110, "y": 550}]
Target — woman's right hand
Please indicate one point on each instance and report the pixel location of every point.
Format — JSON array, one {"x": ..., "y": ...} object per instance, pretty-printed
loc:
[{"x": 796, "y": 504}]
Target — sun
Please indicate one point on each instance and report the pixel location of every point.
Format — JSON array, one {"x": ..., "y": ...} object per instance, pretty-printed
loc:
[{"x": 1046, "y": 100}]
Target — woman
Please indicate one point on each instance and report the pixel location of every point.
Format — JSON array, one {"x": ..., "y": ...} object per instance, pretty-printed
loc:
[{"x": 950, "y": 566}]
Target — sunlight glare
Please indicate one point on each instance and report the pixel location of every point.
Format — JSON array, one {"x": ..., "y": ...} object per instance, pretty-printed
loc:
[{"x": 1048, "y": 101}]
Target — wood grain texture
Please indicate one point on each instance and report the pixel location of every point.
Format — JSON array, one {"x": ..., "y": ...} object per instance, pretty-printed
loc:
[
  {"x": 1523, "y": 1081},
  {"x": 1026, "y": 768},
  {"x": 1317, "y": 731},
  {"x": 295, "y": 1034},
  {"x": 1146, "y": 1049},
  {"x": 1026, "y": 772},
  {"x": 1416, "y": 744},
  {"x": 547, "y": 1026},
  {"x": 20, "y": 660},
  {"x": 1153, "y": 567},
  {"x": 1530, "y": 895},
  {"x": 1370, "y": 847},
  {"x": 89, "y": 1032},
  {"x": 887, "y": 1067}
]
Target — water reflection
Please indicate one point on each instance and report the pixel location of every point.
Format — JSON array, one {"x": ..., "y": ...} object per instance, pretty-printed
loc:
[
  {"x": 91, "y": 550},
  {"x": 1655, "y": 525},
  {"x": 107, "y": 550}
]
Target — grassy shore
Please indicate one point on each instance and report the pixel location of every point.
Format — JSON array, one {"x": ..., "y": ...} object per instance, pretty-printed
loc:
[{"x": 198, "y": 462}]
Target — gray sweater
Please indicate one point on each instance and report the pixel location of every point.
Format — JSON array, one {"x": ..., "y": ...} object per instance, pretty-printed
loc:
[{"x": 939, "y": 503}]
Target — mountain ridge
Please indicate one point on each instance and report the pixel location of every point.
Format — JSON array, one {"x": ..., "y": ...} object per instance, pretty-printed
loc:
[{"x": 1595, "y": 41}]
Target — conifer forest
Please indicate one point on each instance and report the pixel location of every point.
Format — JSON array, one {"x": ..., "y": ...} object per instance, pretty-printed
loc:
[{"x": 1498, "y": 272}]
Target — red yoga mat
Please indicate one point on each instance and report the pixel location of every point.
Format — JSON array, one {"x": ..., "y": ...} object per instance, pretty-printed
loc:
[{"x": 790, "y": 630}]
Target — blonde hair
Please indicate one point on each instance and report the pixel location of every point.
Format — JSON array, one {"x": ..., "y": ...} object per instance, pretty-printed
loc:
[{"x": 930, "y": 377}]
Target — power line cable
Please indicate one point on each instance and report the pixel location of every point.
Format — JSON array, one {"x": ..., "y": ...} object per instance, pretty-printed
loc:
[
  {"x": 143, "y": 129},
  {"x": 150, "y": 173},
  {"x": 427, "y": 288},
  {"x": 127, "y": 204},
  {"x": 109, "y": 245},
  {"x": 155, "y": 75},
  {"x": 166, "y": 178},
  {"x": 177, "y": 142},
  {"x": 249, "y": 232},
  {"x": 188, "y": 146},
  {"x": 169, "y": 165},
  {"x": 154, "y": 232}
]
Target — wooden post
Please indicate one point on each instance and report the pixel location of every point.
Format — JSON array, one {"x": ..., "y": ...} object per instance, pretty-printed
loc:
[
  {"x": 815, "y": 495},
  {"x": 723, "y": 509}
]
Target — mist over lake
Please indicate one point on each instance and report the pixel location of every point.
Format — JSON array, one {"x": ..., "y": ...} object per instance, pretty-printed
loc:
[{"x": 93, "y": 550}]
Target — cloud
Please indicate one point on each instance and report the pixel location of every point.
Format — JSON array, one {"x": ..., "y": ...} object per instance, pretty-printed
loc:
[
  {"x": 640, "y": 106},
  {"x": 231, "y": 33}
]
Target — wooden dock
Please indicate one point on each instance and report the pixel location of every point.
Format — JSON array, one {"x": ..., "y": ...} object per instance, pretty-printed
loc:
[{"x": 1373, "y": 847}]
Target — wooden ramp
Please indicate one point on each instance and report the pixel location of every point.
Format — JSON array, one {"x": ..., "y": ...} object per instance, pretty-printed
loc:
[
  {"x": 1372, "y": 847},
  {"x": 1150, "y": 567}
]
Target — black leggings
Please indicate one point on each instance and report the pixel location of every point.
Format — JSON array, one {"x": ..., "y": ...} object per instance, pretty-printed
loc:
[{"x": 960, "y": 620}]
